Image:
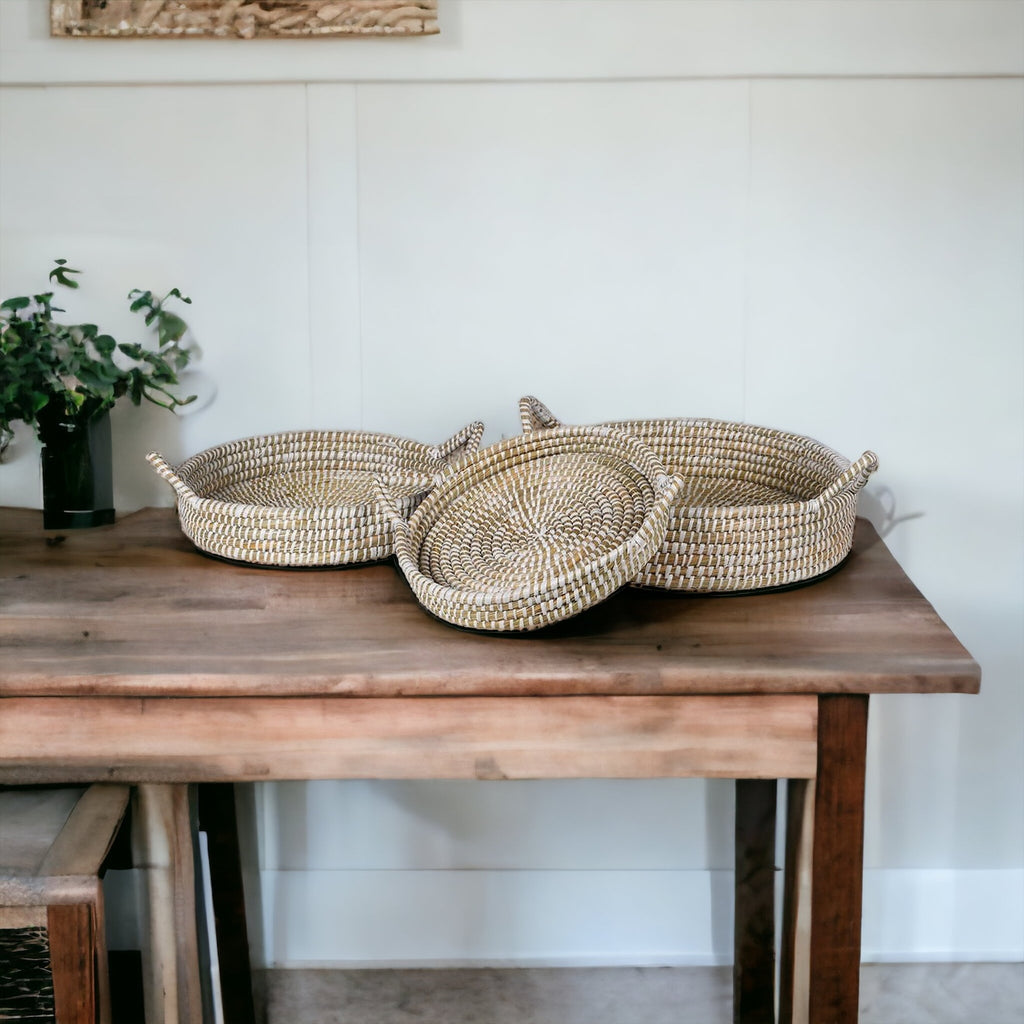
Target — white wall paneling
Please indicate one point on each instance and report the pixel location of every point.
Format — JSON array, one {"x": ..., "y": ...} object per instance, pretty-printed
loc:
[
  {"x": 161, "y": 187},
  {"x": 599, "y": 918},
  {"x": 322, "y": 917},
  {"x": 558, "y": 825},
  {"x": 885, "y": 309},
  {"x": 803, "y": 214},
  {"x": 539, "y": 917},
  {"x": 332, "y": 216},
  {"x": 574, "y": 873},
  {"x": 521, "y": 239}
]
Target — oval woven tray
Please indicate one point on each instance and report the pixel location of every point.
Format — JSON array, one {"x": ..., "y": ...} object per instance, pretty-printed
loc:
[
  {"x": 535, "y": 529},
  {"x": 758, "y": 507},
  {"x": 306, "y": 498}
]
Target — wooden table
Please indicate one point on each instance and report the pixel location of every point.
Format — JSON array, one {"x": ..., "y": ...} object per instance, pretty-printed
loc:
[{"x": 128, "y": 656}]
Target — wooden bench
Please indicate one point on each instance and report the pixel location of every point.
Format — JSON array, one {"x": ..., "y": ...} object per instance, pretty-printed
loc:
[{"x": 53, "y": 842}]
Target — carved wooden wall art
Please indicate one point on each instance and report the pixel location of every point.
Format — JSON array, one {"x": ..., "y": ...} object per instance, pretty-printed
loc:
[{"x": 245, "y": 19}]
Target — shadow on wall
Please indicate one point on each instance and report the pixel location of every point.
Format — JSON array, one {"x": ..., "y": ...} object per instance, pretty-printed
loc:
[{"x": 878, "y": 504}]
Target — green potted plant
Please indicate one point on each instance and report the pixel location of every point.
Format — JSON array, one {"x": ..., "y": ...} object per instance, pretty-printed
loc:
[{"x": 63, "y": 379}]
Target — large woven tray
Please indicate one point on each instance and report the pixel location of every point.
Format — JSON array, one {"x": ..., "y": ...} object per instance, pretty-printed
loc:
[
  {"x": 306, "y": 498},
  {"x": 535, "y": 529},
  {"x": 758, "y": 508}
]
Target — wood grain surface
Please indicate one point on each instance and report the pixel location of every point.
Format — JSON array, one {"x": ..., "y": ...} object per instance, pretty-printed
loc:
[
  {"x": 72, "y": 946},
  {"x": 794, "y": 948},
  {"x": 837, "y": 860},
  {"x": 87, "y": 835},
  {"x": 134, "y": 609},
  {"x": 162, "y": 850},
  {"x": 186, "y": 739},
  {"x": 753, "y": 989}
]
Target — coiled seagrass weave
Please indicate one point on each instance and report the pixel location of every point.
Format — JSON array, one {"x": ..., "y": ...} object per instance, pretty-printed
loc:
[
  {"x": 306, "y": 498},
  {"x": 535, "y": 529},
  {"x": 757, "y": 508}
]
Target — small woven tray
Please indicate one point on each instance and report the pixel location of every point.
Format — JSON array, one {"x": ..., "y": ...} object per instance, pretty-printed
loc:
[
  {"x": 535, "y": 529},
  {"x": 306, "y": 498},
  {"x": 758, "y": 508}
]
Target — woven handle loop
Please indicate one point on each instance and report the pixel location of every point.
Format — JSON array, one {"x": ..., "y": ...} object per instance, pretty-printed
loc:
[
  {"x": 399, "y": 524},
  {"x": 668, "y": 490},
  {"x": 535, "y": 415},
  {"x": 156, "y": 460},
  {"x": 461, "y": 444},
  {"x": 853, "y": 478}
]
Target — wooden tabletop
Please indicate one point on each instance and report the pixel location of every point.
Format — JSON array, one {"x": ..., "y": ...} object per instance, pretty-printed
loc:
[{"x": 134, "y": 610}]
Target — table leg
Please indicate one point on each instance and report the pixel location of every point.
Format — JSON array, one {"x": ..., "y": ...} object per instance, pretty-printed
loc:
[
  {"x": 838, "y": 859},
  {"x": 794, "y": 957},
  {"x": 754, "y": 919},
  {"x": 162, "y": 849},
  {"x": 218, "y": 819}
]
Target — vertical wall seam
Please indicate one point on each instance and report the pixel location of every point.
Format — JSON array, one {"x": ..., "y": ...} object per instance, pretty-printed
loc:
[
  {"x": 314, "y": 398},
  {"x": 357, "y": 164},
  {"x": 748, "y": 219}
]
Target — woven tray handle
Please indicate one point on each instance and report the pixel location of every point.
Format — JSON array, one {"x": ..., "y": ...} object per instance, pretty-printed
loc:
[
  {"x": 535, "y": 415},
  {"x": 156, "y": 460},
  {"x": 668, "y": 488},
  {"x": 853, "y": 479},
  {"x": 399, "y": 523},
  {"x": 458, "y": 446}
]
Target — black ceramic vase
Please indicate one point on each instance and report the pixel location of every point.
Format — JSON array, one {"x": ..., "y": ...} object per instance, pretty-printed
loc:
[{"x": 78, "y": 480}]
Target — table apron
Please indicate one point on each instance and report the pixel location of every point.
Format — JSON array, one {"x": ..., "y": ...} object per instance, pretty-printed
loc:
[{"x": 171, "y": 739}]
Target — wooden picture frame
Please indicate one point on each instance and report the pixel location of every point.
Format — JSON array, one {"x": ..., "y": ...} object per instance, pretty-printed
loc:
[{"x": 242, "y": 19}]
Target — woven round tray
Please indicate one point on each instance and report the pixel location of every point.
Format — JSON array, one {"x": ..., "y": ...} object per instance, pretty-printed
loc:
[
  {"x": 306, "y": 498},
  {"x": 535, "y": 529},
  {"x": 758, "y": 508}
]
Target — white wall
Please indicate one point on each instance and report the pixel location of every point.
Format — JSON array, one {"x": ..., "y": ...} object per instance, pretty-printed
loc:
[{"x": 802, "y": 214}]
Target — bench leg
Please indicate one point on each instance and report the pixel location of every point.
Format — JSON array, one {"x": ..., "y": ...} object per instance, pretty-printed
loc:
[
  {"x": 72, "y": 961},
  {"x": 162, "y": 849},
  {"x": 99, "y": 923}
]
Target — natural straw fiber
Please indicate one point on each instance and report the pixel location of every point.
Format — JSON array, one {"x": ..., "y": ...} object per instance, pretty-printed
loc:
[
  {"x": 758, "y": 508},
  {"x": 535, "y": 529},
  {"x": 306, "y": 498}
]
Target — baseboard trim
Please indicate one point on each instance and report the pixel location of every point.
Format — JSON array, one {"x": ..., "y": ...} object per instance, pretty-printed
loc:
[{"x": 523, "y": 963}]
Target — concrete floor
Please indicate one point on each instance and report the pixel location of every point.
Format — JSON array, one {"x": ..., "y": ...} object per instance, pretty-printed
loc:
[{"x": 890, "y": 994}]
